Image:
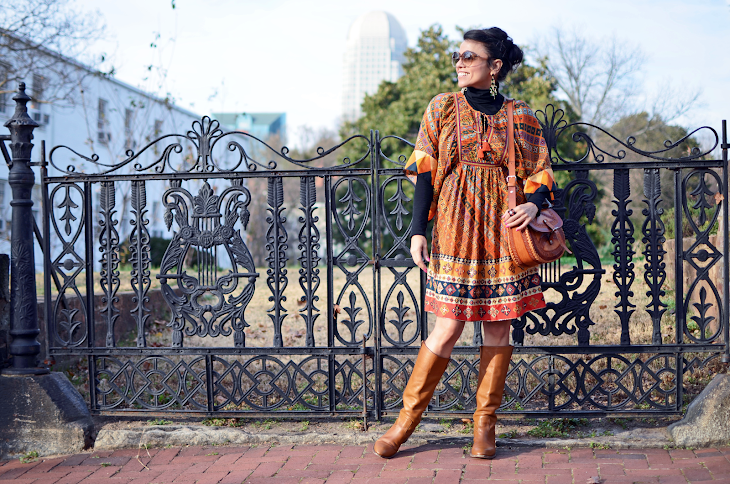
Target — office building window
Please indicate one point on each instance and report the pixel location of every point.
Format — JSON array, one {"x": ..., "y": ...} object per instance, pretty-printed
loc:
[
  {"x": 128, "y": 141},
  {"x": 4, "y": 97},
  {"x": 38, "y": 88},
  {"x": 103, "y": 135}
]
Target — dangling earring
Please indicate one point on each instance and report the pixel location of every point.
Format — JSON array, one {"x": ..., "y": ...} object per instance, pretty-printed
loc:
[{"x": 493, "y": 88}]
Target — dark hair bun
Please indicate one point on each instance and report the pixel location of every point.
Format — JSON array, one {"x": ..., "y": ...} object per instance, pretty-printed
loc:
[{"x": 499, "y": 45}]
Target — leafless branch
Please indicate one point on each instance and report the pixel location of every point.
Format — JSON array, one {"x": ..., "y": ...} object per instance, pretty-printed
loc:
[
  {"x": 599, "y": 78},
  {"x": 49, "y": 38}
]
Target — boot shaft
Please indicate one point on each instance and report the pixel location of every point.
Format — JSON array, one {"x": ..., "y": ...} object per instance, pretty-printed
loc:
[
  {"x": 426, "y": 375},
  {"x": 493, "y": 367}
]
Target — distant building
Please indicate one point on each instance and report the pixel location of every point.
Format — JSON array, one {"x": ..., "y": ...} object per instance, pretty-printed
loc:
[
  {"x": 261, "y": 125},
  {"x": 107, "y": 118},
  {"x": 373, "y": 53}
]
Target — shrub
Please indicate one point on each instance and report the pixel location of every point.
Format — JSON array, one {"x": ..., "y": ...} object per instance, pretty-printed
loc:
[{"x": 668, "y": 219}]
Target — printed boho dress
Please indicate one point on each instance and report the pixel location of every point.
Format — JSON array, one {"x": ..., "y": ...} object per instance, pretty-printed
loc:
[{"x": 471, "y": 276}]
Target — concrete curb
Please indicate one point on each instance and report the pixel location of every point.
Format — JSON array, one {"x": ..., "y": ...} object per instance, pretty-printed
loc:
[
  {"x": 707, "y": 420},
  {"x": 43, "y": 414},
  {"x": 183, "y": 435}
]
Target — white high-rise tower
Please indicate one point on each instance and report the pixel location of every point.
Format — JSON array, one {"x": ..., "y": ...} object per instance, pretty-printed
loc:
[{"x": 373, "y": 53}]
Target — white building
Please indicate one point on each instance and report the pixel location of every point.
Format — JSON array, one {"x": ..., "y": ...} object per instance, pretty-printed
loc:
[
  {"x": 107, "y": 118},
  {"x": 373, "y": 53}
]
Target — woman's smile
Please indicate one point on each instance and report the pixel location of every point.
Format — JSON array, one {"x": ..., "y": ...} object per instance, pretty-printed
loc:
[{"x": 478, "y": 74}]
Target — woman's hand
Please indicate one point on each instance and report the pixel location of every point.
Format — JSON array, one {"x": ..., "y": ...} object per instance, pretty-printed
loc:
[
  {"x": 520, "y": 217},
  {"x": 419, "y": 251}
]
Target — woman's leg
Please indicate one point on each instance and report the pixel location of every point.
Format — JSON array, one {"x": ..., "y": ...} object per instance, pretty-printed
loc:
[
  {"x": 427, "y": 371},
  {"x": 496, "y": 333},
  {"x": 494, "y": 361},
  {"x": 444, "y": 336}
]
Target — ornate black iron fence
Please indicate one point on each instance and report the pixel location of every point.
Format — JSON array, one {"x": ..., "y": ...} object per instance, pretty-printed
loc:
[{"x": 237, "y": 335}]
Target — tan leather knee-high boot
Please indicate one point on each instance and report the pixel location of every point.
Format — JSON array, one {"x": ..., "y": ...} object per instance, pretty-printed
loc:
[
  {"x": 426, "y": 374},
  {"x": 493, "y": 367}
]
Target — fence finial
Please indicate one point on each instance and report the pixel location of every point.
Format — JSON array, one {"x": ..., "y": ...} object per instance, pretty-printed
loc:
[{"x": 21, "y": 117}]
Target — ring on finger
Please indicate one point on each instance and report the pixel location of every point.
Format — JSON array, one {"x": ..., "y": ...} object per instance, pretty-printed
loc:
[{"x": 511, "y": 211}]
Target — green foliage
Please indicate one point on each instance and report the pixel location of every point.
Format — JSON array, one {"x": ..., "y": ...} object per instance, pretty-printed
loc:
[
  {"x": 651, "y": 133},
  {"x": 265, "y": 424},
  {"x": 397, "y": 107},
  {"x": 687, "y": 231},
  {"x": 159, "y": 421},
  {"x": 557, "y": 427},
  {"x": 531, "y": 84},
  {"x": 221, "y": 422},
  {"x": 692, "y": 327},
  {"x": 354, "y": 424},
  {"x": 596, "y": 445},
  {"x": 29, "y": 457},
  {"x": 621, "y": 422},
  {"x": 468, "y": 428},
  {"x": 158, "y": 246}
]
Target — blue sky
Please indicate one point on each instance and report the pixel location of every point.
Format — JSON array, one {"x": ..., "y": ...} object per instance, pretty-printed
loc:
[{"x": 286, "y": 55}]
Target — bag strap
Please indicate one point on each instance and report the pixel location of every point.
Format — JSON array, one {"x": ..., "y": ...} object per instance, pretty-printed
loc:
[
  {"x": 458, "y": 124},
  {"x": 511, "y": 177}
]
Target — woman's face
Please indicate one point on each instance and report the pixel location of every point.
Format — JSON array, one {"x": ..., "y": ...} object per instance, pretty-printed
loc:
[{"x": 479, "y": 74}]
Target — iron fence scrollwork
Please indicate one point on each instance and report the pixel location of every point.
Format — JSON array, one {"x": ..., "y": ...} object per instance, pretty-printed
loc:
[{"x": 342, "y": 228}]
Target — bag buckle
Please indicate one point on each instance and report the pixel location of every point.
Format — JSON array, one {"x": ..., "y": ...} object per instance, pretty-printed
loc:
[{"x": 550, "y": 237}]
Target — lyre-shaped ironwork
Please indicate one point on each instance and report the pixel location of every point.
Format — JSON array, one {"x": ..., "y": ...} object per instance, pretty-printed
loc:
[{"x": 212, "y": 303}]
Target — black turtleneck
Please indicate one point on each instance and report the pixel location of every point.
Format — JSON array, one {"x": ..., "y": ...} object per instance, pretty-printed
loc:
[{"x": 480, "y": 100}]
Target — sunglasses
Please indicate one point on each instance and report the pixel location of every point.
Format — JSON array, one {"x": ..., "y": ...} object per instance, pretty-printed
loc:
[{"x": 468, "y": 58}]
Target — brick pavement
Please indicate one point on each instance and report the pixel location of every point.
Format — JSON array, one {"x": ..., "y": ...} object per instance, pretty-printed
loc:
[{"x": 337, "y": 464}]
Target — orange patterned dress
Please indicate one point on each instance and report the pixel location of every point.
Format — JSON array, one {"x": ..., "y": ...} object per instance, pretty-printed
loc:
[{"x": 471, "y": 276}]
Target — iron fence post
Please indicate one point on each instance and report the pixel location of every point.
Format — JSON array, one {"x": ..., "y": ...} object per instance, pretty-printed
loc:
[
  {"x": 24, "y": 329},
  {"x": 377, "y": 340},
  {"x": 725, "y": 246}
]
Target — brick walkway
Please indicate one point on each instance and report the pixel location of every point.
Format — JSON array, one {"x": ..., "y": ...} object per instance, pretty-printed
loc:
[{"x": 354, "y": 464}]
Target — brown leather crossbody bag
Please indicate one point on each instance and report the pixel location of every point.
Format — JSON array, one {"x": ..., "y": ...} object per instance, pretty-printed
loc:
[{"x": 543, "y": 240}]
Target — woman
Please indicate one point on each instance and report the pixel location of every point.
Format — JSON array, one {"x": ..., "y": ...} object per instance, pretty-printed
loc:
[{"x": 459, "y": 166}]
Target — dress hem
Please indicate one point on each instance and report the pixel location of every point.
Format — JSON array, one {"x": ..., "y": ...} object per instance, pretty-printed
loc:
[{"x": 500, "y": 312}]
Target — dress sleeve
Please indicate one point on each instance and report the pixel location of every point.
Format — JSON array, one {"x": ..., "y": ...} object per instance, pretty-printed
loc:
[
  {"x": 534, "y": 164},
  {"x": 424, "y": 156},
  {"x": 422, "y": 165}
]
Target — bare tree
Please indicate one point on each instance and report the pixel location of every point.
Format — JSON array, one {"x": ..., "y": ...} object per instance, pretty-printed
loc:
[
  {"x": 48, "y": 41},
  {"x": 601, "y": 79}
]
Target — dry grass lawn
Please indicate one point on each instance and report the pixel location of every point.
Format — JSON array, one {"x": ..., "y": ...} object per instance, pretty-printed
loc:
[{"x": 605, "y": 331}]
